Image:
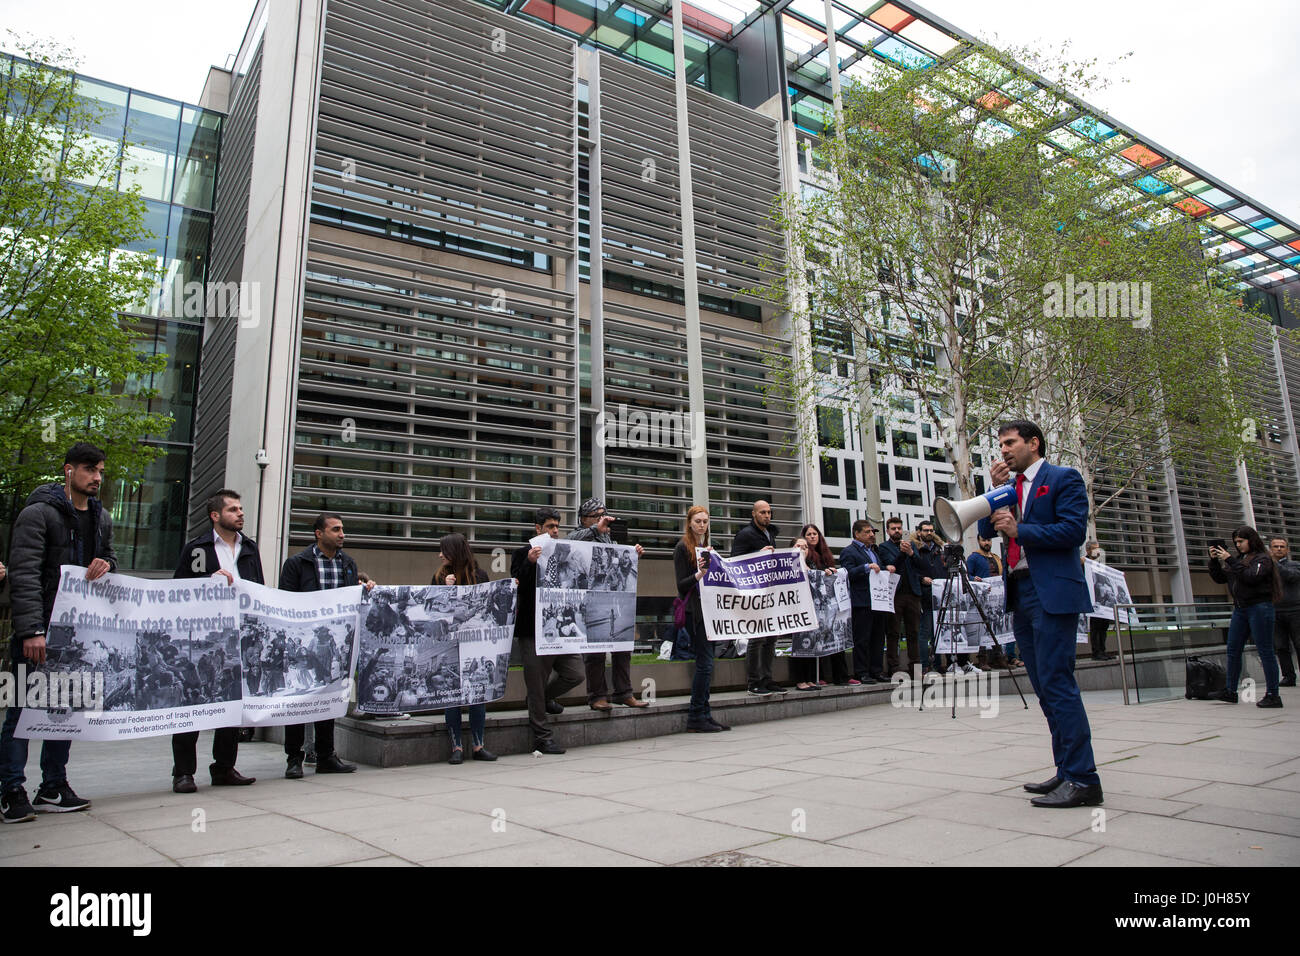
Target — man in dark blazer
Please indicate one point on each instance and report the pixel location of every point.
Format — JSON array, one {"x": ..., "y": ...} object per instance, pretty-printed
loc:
[
  {"x": 859, "y": 559},
  {"x": 1047, "y": 591},
  {"x": 226, "y": 552},
  {"x": 322, "y": 567}
]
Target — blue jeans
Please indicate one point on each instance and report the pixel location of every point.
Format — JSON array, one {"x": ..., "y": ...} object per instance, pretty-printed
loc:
[
  {"x": 477, "y": 724},
  {"x": 1257, "y": 621},
  {"x": 698, "y": 711},
  {"x": 13, "y": 750}
]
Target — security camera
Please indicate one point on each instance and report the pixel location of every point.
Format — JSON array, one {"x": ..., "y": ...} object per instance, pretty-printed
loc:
[{"x": 262, "y": 458}]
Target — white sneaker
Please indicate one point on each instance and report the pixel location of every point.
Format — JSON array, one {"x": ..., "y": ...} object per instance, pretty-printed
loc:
[{"x": 969, "y": 668}]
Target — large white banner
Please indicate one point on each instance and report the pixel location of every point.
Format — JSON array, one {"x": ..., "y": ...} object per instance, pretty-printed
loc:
[
  {"x": 757, "y": 595},
  {"x": 883, "y": 587},
  {"x": 428, "y": 648},
  {"x": 586, "y": 597},
  {"x": 834, "y": 633},
  {"x": 166, "y": 652},
  {"x": 297, "y": 650}
]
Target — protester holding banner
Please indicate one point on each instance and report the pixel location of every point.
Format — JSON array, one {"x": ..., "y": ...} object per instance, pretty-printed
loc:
[
  {"x": 222, "y": 552},
  {"x": 60, "y": 524},
  {"x": 859, "y": 559},
  {"x": 822, "y": 559},
  {"x": 459, "y": 567},
  {"x": 905, "y": 622},
  {"x": 804, "y": 669},
  {"x": 1098, "y": 627},
  {"x": 689, "y": 572},
  {"x": 593, "y": 525},
  {"x": 547, "y": 677},
  {"x": 321, "y": 567},
  {"x": 760, "y": 652}
]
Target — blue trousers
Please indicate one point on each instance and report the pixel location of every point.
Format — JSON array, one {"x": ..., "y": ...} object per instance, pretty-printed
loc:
[
  {"x": 1046, "y": 644},
  {"x": 699, "y": 711},
  {"x": 477, "y": 723},
  {"x": 1257, "y": 621},
  {"x": 13, "y": 750}
]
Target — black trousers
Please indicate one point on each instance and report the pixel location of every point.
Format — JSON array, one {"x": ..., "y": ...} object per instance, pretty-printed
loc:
[
  {"x": 868, "y": 643},
  {"x": 225, "y": 748},
  {"x": 295, "y": 734},
  {"x": 1098, "y": 628},
  {"x": 620, "y": 663},
  {"x": 1286, "y": 635}
]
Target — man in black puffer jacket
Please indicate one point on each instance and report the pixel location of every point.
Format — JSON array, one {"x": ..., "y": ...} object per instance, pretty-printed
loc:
[{"x": 61, "y": 524}]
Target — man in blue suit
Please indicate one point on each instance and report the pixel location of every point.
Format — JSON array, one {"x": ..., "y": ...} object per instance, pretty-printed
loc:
[
  {"x": 859, "y": 559},
  {"x": 1047, "y": 592}
]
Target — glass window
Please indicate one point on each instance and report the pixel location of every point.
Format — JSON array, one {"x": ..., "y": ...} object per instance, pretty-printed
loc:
[
  {"x": 905, "y": 444},
  {"x": 850, "y": 479},
  {"x": 149, "y": 158},
  {"x": 196, "y": 165},
  {"x": 149, "y": 518},
  {"x": 884, "y": 477},
  {"x": 187, "y": 256},
  {"x": 904, "y": 473},
  {"x": 830, "y": 471},
  {"x": 835, "y": 522},
  {"x": 830, "y": 427},
  {"x": 910, "y": 498}
]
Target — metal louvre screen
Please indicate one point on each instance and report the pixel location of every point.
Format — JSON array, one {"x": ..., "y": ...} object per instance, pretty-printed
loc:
[
  {"x": 1274, "y": 491},
  {"x": 437, "y": 379}
]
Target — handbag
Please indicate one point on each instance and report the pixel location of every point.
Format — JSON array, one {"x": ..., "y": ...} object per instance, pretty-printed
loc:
[{"x": 680, "y": 604}]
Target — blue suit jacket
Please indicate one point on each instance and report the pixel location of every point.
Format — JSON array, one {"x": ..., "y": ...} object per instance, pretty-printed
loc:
[
  {"x": 856, "y": 560},
  {"x": 1051, "y": 532}
]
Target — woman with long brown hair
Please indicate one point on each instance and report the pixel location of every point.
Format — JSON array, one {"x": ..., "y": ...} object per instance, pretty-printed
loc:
[
  {"x": 689, "y": 571},
  {"x": 1253, "y": 581},
  {"x": 459, "y": 567},
  {"x": 820, "y": 557}
]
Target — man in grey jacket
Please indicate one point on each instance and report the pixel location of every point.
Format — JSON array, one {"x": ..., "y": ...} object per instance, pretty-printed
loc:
[
  {"x": 60, "y": 524},
  {"x": 1286, "y": 612}
]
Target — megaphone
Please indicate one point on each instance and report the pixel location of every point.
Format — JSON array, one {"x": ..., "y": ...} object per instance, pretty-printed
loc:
[{"x": 954, "y": 517}]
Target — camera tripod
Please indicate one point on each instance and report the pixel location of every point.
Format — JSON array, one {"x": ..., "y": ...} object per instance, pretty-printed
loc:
[{"x": 954, "y": 562}]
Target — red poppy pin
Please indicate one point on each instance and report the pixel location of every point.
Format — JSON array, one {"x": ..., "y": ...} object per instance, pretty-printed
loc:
[{"x": 1042, "y": 490}]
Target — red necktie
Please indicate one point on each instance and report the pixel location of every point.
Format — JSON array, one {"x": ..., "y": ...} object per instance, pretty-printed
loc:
[{"x": 1013, "y": 549}]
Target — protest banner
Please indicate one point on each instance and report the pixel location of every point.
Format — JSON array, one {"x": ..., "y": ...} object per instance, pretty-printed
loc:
[
  {"x": 883, "y": 586},
  {"x": 429, "y": 648},
  {"x": 166, "y": 654},
  {"x": 757, "y": 595},
  {"x": 834, "y": 632},
  {"x": 297, "y": 649},
  {"x": 1109, "y": 590},
  {"x": 586, "y": 597},
  {"x": 963, "y": 630}
]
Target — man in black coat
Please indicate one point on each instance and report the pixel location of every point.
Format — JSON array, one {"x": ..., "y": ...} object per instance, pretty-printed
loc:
[
  {"x": 60, "y": 524},
  {"x": 321, "y": 567},
  {"x": 760, "y": 652},
  {"x": 222, "y": 552},
  {"x": 546, "y": 677}
]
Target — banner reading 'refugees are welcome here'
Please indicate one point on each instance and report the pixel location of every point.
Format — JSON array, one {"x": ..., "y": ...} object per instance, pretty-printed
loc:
[{"x": 756, "y": 595}]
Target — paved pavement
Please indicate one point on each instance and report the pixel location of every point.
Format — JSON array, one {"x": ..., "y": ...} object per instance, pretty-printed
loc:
[{"x": 1188, "y": 783}]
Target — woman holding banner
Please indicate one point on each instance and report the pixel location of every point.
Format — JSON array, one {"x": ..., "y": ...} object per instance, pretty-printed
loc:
[
  {"x": 458, "y": 567},
  {"x": 820, "y": 557},
  {"x": 802, "y": 669},
  {"x": 689, "y": 571}
]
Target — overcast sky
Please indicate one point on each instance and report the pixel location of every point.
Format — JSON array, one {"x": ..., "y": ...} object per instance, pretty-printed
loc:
[{"x": 1220, "y": 92}]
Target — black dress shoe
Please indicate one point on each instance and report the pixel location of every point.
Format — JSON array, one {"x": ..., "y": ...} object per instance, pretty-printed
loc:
[
  {"x": 457, "y": 756},
  {"x": 294, "y": 770},
  {"x": 718, "y": 726},
  {"x": 332, "y": 764},
  {"x": 704, "y": 727},
  {"x": 1047, "y": 786},
  {"x": 183, "y": 783},
  {"x": 231, "y": 778},
  {"x": 484, "y": 754},
  {"x": 1287, "y": 682},
  {"x": 1070, "y": 795},
  {"x": 547, "y": 747},
  {"x": 554, "y": 707}
]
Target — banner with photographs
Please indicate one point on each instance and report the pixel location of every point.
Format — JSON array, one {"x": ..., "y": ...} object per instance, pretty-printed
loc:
[
  {"x": 1108, "y": 590},
  {"x": 428, "y": 648},
  {"x": 150, "y": 657},
  {"x": 296, "y": 650},
  {"x": 883, "y": 587},
  {"x": 757, "y": 595},
  {"x": 586, "y": 597},
  {"x": 834, "y": 633},
  {"x": 963, "y": 630}
]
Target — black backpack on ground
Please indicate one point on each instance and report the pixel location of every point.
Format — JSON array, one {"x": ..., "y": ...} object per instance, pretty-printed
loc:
[{"x": 1204, "y": 678}]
